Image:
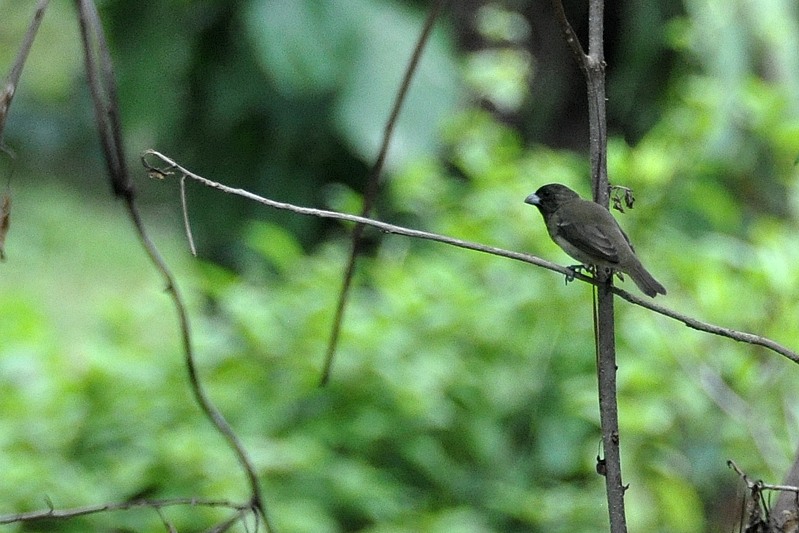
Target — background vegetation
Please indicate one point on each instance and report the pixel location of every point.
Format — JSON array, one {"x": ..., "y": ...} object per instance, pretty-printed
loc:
[{"x": 463, "y": 397}]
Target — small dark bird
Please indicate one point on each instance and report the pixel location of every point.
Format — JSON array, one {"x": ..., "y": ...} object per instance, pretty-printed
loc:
[{"x": 589, "y": 233}]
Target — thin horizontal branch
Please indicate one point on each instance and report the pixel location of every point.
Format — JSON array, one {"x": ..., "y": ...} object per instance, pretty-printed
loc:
[
  {"x": 385, "y": 227},
  {"x": 64, "y": 514},
  {"x": 760, "y": 484},
  {"x": 171, "y": 167}
]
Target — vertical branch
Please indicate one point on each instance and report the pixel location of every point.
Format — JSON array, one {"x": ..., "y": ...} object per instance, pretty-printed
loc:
[
  {"x": 102, "y": 84},
  {"x": 593, "y": 66},
  {"x": 608, "y": 408},
  {"x": 597, "y": 115},
  {"x": 373, "y": 186},
  {"x": 605, "y": 328},
  {"x": 570, "y": 36}
]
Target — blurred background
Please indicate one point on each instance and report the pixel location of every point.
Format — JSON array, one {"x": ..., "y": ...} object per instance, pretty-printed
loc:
[{"x": 463, "y": 397}]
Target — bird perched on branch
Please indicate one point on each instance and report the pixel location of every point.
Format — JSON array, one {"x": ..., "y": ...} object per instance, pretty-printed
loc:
[{"x": 589, "y": 233}]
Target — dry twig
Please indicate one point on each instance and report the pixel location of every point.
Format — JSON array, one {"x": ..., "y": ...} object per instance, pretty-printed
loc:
[
  {"x": 170, "y": 167},
  {"x": 373, "y": 185},
  {"x": 102, "y": 84},
  {"x": 52, "y": 513}
]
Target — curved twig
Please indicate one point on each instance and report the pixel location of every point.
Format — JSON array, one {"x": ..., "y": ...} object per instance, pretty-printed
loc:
[
  {"x": 760, "y": 484},
  {"x": 102, "y": 84},
  {"x": 205, "y": 403},
  {"x": 171, "y": 167}
]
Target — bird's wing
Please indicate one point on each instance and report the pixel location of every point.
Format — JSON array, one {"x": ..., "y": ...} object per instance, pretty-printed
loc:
[
  {"x": 589, "y": 239},
  {"x": 626, "y": 238}
]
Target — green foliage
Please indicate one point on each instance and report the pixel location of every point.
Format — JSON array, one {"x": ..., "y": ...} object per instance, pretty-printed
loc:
[
  {"x": 463, "y": 397},
  {"x": 285, "y": 96},
  {"x": 313, "y": 47}
]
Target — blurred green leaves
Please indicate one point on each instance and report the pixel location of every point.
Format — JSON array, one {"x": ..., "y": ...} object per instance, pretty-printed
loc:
[
  {"x": 55, "y": 61},
  {"x": 356, "y": 52},
  {"x": 463, "y": 398},
  {"x": 301, "y": 44}
]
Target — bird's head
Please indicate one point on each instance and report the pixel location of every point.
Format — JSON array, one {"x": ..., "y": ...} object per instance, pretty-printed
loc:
[{"x": 549, "y": 198}]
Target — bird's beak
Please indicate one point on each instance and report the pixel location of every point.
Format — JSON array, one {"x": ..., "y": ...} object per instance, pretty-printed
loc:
[{"x": 533, "y": 199}]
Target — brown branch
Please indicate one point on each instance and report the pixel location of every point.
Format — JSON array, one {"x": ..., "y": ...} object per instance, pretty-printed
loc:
[
  {"x": 186, "y": 222},
  {"x": 102, "y": 84},
  {"x": 783, "y": 516},
  {"x": 64, "y": 514},
  {"x": 593, "y": 67},
  {"x": 7, "y": 91},
  {"x": 9, "y": 86},
  {"x": 570, "y": 36},
  {"x": 759, "y": 483},
  {"x": 209, "y": 409},
  {"x": 5, "y": 223},
  {"x": 693, "y": 323},
  {"x": 372, "y": 188},
  {"x": 171, "y": 167}
]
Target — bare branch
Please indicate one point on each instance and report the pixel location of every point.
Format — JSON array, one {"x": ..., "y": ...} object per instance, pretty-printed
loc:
[
  {"x": 373, "y": 185},
  {"x": 5, "y": 223},
  {"x": 171, "y": 167},
  {"x": 11, "y": 81},
  {"x": 186, "y": 222},
  {"x": 783, "y": 516},
  {"x": 52, "y": 513},
  {"x": 570, "y": 36},
  {"x": 787, "y": 503},
  {"x": 102, "y": 84},
  {"x": 760, "y": 484},
  {"x": 593, "y": 68}
]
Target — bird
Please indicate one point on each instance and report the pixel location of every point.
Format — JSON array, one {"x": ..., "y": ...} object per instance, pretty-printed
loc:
[{"x": 589, "y": 233}]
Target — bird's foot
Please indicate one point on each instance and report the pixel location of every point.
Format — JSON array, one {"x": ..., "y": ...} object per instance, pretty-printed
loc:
[
  {"x": 609, "y": 273},
  {"x": 575, "y": 270}
]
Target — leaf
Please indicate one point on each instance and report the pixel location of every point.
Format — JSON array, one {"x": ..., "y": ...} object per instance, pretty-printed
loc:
[{"x": 620, "y": 197}]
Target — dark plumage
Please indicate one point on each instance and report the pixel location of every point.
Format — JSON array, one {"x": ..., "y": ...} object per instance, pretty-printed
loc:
[{"x": 589, "y": 233}]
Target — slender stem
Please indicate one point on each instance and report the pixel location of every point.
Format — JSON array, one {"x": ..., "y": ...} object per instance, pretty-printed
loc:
[
  {"x": 597, "y": 113},
  {"x": 569, "y": 35},
  {"x": 102, "y": 84},
  {"x": 171, "y": 167},
  {"x": 372, "y": 188},
  {"x": 593, "y": 67},
  {"x": 606, "y": 325},
  {"x": 9, "y": 86},
  {"x": 51, "y": 513},
  {"x": 608, "y": 408},
  {"x": 186, "y": 223}
]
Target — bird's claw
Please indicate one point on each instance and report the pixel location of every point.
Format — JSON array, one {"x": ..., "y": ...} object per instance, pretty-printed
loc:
[{"x": 574, "y": 270}]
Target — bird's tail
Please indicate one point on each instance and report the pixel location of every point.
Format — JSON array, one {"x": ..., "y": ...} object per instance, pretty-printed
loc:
[{"x": 648, "y": 285}]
